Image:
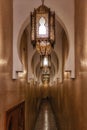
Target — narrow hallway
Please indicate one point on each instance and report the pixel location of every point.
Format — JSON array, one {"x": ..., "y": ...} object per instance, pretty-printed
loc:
[{"x": 46, "y": 118}]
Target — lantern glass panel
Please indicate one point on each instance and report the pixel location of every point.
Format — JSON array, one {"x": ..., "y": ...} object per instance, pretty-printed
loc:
[
  {"x": 42, "y": 27},
  {"x": 45, "y": 61},
  {"x": 42, "y": 30}
]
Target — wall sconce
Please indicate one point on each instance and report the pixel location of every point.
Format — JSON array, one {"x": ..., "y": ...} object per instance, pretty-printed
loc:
[{"x": 43, "y": 29}]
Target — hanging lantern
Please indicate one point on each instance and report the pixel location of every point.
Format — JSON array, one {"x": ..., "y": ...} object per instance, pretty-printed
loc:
[
  {"x": 45, "y": 61},
  {"x": 43, "y": 29}
]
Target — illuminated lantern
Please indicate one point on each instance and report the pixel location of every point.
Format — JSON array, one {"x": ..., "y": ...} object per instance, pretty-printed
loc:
[{"x": 43, "y": 29}]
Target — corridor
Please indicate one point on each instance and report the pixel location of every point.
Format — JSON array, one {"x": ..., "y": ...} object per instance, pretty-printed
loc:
[
  {"x": 43, "y": 53},
  {"x": 46, "y": 118}
]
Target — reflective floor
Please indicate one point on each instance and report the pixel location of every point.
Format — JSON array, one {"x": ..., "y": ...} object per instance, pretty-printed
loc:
[{"x": 46, "y": 118}]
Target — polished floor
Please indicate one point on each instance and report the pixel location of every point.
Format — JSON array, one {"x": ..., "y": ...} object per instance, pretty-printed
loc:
[{"x": 46, "y": 118}]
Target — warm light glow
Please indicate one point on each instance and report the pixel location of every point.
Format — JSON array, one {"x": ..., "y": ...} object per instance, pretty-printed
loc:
[
  {"x": 3, "y": 62},
  {"x": 22, "y": 74},
  {"x": 84, "y": 63},
  {"x": 45, "y": 61},
  {"x": 66, "y": 75},
  {"x": 42, "y": 28},
  {"x": 46, "y": 120}
]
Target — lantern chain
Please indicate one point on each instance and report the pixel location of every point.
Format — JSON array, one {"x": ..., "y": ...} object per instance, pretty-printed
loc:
[{"x": 42, "y": 2}]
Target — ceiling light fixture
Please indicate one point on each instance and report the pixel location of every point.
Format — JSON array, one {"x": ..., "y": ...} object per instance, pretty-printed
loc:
[{"x": 43, "y": 29}]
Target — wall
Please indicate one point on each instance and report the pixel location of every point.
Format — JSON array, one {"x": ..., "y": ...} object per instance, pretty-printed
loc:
[
  {"x": 13, "y": 92},
  {"x": 69, "y": 99}
]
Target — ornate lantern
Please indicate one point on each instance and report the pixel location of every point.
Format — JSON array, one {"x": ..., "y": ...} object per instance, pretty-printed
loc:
[
  {"x": 45, "y": 61},
  {"x": 45, "y": 68},
  {"x": 43, "y": 29}
]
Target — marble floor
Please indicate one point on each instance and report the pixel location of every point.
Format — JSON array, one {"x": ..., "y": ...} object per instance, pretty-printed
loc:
[{"x": 46, "y": 118}]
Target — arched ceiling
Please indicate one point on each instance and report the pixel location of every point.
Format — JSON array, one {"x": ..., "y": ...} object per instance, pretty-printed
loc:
[
  {"x": 56, "y": 56},
  {"x": 64, "y": 10}
]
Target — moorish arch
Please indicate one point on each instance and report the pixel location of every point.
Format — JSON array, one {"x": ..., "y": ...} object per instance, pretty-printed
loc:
[{"x": 17, "y": 65}]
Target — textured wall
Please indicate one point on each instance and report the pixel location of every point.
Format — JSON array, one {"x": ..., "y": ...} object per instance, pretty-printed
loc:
[
  {"x": 5, "y": 35},
  {"x": 81, "y": 34},
  {"x": 12, "y": 92},
  {"x": 69, "y": 99}
]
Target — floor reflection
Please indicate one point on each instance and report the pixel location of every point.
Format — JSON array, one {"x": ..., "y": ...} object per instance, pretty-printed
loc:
[{"x": 46, "y": 119}]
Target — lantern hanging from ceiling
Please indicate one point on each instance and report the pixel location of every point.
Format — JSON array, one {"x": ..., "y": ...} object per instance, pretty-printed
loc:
[
  {"x": 45, "y": 61},
  {"x": 43, "y": 29}
]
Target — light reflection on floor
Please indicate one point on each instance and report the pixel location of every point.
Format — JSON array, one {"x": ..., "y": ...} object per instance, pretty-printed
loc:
[{"x": 46, "y": 119}]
